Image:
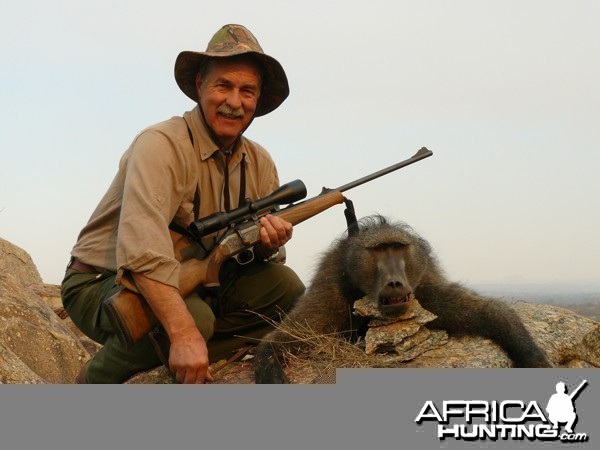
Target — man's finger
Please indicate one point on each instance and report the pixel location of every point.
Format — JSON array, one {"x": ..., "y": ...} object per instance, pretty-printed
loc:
[
  {"x": 269, "y": 235},
  {"x": 180, "y": 376},
  {"x": 204, "y": 377},
  {"x": 282, "y": 228}
]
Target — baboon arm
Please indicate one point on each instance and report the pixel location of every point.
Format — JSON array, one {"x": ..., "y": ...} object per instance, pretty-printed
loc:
[
  {"x": 461, "y": 311},
  {"x": 267, "y": 364}
]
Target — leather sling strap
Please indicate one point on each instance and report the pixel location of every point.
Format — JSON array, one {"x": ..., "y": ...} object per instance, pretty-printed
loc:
[{"x": 350, "y": 214}]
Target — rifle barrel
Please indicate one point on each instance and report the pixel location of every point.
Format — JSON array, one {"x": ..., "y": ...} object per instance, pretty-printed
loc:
[
  {"x": 576, "y": 391},
  {"x": 421, "y": 154}
]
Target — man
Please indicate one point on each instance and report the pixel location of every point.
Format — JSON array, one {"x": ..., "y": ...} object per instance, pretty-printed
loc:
[
  {"x": 174, "y": 173},
  {"x": 560, "y": 408}
]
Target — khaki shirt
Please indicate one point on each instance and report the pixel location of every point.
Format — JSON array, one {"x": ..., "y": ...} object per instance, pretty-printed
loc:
[{"x": 156, "y": 183}]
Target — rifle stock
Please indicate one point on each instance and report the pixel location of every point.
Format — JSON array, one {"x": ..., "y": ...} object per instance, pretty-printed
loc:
[{"x": 132, "y": 316}]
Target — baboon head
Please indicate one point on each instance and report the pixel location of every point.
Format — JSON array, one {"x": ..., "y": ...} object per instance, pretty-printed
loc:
[{"x": 386, "y": 261}]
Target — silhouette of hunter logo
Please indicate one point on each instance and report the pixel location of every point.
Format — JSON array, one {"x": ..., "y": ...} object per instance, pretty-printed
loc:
[{"x": 560, "y": 406}]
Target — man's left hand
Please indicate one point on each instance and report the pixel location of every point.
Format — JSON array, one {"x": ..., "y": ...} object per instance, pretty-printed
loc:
[{"x": 274, "y": 233}]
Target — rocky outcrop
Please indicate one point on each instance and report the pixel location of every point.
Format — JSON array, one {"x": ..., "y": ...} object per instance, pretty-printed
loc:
[
  {"x": 35, "y": 344},
  {"x": 18, "y": 263},
  {"x": 569, "y": 340},
  {"x": 39, "y": 343}
]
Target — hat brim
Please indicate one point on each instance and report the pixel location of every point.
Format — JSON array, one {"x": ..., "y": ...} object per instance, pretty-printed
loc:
[{"x": 275, "y": 84}]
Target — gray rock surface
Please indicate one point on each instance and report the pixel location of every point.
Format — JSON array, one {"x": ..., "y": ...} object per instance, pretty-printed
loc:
[
  {"x": 18, "y": 263},
  {"x": 35, "y": 344}
]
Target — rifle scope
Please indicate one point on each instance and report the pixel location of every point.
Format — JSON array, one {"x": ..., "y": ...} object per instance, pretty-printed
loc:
[{"x": 288, "y": 193}]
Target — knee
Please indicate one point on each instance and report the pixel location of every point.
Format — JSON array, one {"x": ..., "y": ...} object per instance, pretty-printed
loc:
[
  {"x": 206, "y": 325},
  {"x": 291, "y": 286},
  {"x": 202, "y": 315}
]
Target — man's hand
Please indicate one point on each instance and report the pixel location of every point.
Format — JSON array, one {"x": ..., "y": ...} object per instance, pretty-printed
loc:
[
  {"x": 274, "y": 233},
  {"x": 188, "y": 356}
]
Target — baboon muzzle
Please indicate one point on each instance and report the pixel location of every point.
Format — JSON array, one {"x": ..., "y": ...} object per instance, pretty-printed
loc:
[
  {"x": 393, "y": 300},
  {"x": 394, "y": 291}
]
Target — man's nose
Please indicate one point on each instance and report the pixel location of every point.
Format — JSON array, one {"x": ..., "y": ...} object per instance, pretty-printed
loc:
[{"x": 234, "y": 99}]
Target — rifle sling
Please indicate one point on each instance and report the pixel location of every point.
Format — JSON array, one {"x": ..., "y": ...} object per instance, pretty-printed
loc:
[{"x": 350, "y": 215}]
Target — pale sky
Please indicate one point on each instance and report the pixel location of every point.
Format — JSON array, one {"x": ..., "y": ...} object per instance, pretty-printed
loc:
[{"x": 505, "y": 93}]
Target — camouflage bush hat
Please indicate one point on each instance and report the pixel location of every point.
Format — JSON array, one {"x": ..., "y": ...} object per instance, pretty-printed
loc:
[{"x": 232, "y": 40}]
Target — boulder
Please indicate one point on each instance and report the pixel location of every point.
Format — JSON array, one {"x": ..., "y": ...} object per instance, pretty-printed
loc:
[
  {"x": 17, "y": 262},
  {"x": 35, "y": 344}
]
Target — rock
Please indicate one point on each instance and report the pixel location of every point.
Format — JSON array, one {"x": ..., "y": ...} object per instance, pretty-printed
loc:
[
  {"x": 14, "y": 371},
  {"x": 235, "y": 373},
  {"x": 364, "y": 307},
  {"x": 569, "y": 340},
  {"x": 566, "y": 336},
  {"x": 18, "y": 263},
  {"x": 35, "y": 345},
  {"x": 159, "y": 375},
  {"x": 463, "y": 352},
  {"x": 402, "y": 334},
  {"x": 50, "y": 293}
]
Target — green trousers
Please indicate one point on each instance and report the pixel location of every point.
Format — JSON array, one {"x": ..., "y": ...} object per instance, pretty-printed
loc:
[{"x": 224, "y": 317}]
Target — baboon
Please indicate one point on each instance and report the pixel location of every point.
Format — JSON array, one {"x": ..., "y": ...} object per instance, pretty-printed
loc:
[{"x": 388, "y": 262}]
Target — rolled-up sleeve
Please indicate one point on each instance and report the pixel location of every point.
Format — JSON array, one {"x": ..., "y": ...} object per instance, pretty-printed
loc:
[{"x": 152, "y": 189}]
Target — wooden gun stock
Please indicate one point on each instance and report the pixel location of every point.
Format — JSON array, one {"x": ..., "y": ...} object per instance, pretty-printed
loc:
[{"x": 132, "y": 316}]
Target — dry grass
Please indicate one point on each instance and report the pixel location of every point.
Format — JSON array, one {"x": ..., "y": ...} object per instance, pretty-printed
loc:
[{"x": 319, "y": 352}]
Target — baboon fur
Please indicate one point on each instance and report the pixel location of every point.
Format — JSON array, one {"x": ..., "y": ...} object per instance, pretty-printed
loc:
[{"x": 383, "y": 260}]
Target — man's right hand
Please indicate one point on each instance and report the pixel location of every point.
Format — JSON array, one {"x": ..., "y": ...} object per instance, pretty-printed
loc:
[{"x": 188, "y": 356}]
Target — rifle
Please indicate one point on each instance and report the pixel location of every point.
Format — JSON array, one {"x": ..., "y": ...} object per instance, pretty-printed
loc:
[
  {"x": 574, "y": 394},
  {"x": 132, "y": 316}
]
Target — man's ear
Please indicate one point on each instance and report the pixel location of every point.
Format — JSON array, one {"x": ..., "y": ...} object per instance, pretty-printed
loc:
[{"x": 198, "y": 80}]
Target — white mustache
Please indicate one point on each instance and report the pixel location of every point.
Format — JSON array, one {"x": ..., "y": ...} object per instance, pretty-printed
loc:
[{"x": 227, "y": 110}]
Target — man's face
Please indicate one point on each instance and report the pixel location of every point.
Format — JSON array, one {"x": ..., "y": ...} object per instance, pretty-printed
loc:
[{"x": 228, "y": 96}]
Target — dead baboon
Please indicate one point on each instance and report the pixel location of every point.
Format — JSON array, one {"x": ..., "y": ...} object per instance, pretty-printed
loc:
[{"x": 387, "y": 263}]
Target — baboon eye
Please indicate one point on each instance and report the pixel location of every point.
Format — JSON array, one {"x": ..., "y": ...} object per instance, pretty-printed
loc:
[{"x": 386, "y": 245}]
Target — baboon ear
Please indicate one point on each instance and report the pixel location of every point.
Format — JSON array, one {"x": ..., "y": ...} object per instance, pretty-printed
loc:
[{"x": 351, "y": 221}]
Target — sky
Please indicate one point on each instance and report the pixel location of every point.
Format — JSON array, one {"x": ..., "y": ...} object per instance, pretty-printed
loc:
[{"x": 505, "y": 94}]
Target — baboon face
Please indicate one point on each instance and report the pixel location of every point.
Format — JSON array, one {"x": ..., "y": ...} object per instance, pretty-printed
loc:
[
  {"x": 391, "y": 288},
  {"x": 386, "y": 262},
  {"x": 380, "y": 271}
]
